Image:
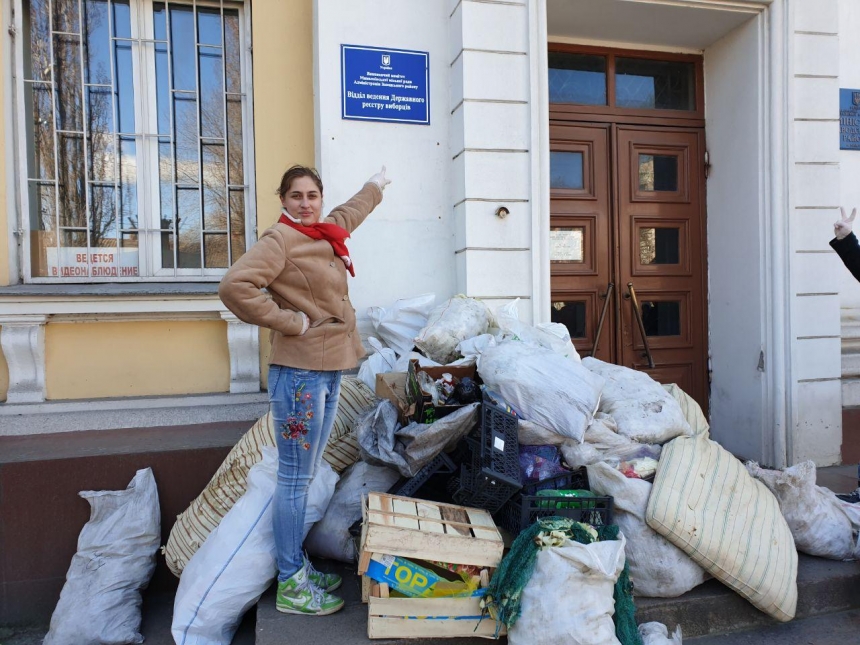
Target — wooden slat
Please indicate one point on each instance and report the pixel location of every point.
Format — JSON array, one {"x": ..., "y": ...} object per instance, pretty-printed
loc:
[
  {"x": 426, "y": 510},
  {"x": 424, "y": 607},
  {"x": 378, "y": 627},
  {"x": 381, "y": 503},
  {"x": 366, "y": 583},
  {"x": 407, "y": 515},
  {"x": 441, "y": 547},
  {"x": 459, "y": 519},
  {"x": 483, "y": 525},
  {"x": 383, "y": 590},
  {"x": 485, "y": 578}
]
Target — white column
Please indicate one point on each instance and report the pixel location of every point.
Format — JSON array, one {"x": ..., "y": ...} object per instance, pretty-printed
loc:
[
  {"x": 22, "y": 338},
  {"x": 243, "y": 341}
]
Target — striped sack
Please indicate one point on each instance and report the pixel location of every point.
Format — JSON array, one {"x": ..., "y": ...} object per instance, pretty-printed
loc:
[
  {"x": 230, "y": 481},
  {"x": 705, "y": 502}
]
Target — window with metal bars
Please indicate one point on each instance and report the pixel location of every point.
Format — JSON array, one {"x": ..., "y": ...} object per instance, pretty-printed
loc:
[{"x": 137, "y": 129}]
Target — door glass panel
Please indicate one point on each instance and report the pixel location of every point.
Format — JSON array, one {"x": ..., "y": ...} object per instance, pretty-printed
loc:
[
  {"x": 565, "y": 244},
  {"x": 659, "y": 246},
  {"x": 571, "y": 315},
  {"x": 658, "y": 173},
  {"x": 654, "y": 84},
  {"x": 565, "y": 170},
  {"x": 662, "y": 318},
  {"x": 577, "y": 78}
]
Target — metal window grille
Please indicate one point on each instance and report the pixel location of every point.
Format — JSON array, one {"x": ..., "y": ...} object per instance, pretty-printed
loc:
[{"x": 137, "y": 135}]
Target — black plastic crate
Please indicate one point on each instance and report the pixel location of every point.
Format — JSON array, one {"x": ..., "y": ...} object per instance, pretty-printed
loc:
[
  {"x": 492, "y": 474},
  {"x": 441, "y": 464},
  {"x": 525, "y": 508},
  {"x": 484, "y": 489},
  {"x": 494, "y": 444}
]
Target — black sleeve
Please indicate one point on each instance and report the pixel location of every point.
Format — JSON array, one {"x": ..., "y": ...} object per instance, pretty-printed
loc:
[{"x": 848, "y": 249}]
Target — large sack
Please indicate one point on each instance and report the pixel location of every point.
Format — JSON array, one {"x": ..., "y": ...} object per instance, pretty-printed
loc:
[
  {"x": 553, "y": 336},
  {"x": 399, "y": 324},
  {"x": 569, "y": 598},
  {"x": 229, "y": 482},
  {"x": 814, "y": 514},
  {"x": 230, "y": 572},
  {"x": 451, "y": 322},
  {"x": 643, "y": 410},
  {"x": 705, "y": 502},
  {"x": 658, "y": 569},
  {"x": 690, "y": 408},
  {"x": 381, "y": 361},
  {"x": 603, "y": 443},
  {"x": 554, "y": 392},
  {"x": 100, "y": 601},
  {"x": 330, "y": 538},
  {"x": 408, "y": 449}
]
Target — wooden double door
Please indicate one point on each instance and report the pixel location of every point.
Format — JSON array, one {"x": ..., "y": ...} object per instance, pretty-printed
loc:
[{"x": 628, "y": 273}]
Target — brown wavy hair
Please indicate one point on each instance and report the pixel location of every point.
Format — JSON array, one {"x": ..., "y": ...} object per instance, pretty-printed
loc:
[{"x": 294, "y": 173}]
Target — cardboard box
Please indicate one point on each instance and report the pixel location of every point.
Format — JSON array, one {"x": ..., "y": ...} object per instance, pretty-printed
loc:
[
  {"x": 392, "y": 386},
  {"x": 425, "y": 411}
]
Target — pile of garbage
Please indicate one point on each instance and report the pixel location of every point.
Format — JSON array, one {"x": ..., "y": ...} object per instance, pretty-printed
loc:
[{"x": 464, "y": 430}]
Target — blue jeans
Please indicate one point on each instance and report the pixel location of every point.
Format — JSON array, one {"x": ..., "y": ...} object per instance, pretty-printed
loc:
[{"x": 303, "y": 405}]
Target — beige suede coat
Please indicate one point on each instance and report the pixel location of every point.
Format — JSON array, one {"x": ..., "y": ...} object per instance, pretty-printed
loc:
[{"x": 301, "y": 274}]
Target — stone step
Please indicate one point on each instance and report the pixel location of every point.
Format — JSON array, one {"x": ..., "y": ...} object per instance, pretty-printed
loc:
[
  {"x": 824, "y": 587},
  {"x": 828, "y": 629}
]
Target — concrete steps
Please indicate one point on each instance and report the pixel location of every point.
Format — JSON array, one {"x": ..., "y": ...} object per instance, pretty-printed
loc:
[
  {"x": 825, "y": 587},
  {"x": 829, "y": 629}
]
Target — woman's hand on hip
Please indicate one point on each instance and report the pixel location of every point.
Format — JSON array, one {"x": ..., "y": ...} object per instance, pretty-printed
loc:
[{"x": 380, "y": 179}]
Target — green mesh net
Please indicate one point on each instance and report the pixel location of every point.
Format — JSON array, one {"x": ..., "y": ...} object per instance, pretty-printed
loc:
[{"x": 504, "y": 595}]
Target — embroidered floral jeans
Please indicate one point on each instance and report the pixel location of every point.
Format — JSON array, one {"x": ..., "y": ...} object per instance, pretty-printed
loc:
[{"x": 303, "y": 405}]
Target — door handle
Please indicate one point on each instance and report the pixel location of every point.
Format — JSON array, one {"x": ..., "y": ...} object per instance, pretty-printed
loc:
[
  {"x": 635, "y": 301},
  {"x": 609, "y": 289}
]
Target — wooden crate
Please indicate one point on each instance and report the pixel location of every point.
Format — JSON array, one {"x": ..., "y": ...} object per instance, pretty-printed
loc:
[
  {"x": 427, "y": 618},
  {"x": 423, "y": 530}
]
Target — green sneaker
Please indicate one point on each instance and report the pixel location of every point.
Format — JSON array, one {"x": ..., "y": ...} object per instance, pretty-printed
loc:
[
  {"x": 325, "y": 581},
  {"x": 299, "y": 595}
]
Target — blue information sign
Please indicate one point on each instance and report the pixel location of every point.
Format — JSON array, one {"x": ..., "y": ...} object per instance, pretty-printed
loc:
[
  {"x": 849, "y": 119},
  {"x": 385, "y": 84}
]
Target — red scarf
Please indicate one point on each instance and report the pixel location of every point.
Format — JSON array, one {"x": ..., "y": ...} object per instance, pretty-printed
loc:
[{"x": 331, "y": 233}]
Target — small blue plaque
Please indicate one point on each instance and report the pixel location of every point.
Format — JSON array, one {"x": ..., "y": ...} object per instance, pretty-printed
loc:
[
  {"x": 385, "y": 84},
  {"x": 849, "y": 119}
]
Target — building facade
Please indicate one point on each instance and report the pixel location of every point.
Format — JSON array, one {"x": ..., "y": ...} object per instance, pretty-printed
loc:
[{"x": 660, "y": 176}]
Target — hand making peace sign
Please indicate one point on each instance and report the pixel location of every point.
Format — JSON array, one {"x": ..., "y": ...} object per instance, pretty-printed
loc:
[{"x": 842, "y": 228}]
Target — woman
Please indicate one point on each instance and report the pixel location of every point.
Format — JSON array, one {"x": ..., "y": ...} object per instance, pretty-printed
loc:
[
  {"x": 845, "y": 243},
  {"x": 302, "y": 263}
]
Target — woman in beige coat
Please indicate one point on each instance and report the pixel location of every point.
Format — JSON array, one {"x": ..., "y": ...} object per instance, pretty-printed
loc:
[{"x": 302, "y": 262}]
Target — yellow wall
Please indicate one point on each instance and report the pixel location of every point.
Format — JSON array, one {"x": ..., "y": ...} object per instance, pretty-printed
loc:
[
  {"x": 283, "y": 123},
  {"x": 4, "y": 375},
  {"x": 98, "y": 360},
  {"x": 283, "y": 96}
]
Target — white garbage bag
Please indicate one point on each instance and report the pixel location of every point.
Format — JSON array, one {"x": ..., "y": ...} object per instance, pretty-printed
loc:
[
  {"x": 453, "y": 321},
  {"x": 399, "y": 324},
  {"x": 548, "y": 389},
  {"x": 658, "y": 634},
  {"x": 853, "y": 513},
  {"x": 100, "y": 601},
  {"x": 330, "y": 538},
  {"x": 553, "y": 336},
  {"x": 643, "y": 410},
  {"x": 814, "y": 514},
  {"x": 553, "y": 613},
  {"x": 233, "y": 567},
  {"x": 658, "y": 569},
  {"x": 320, "y": 493},
  {"x": 382, "y": 361}
]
